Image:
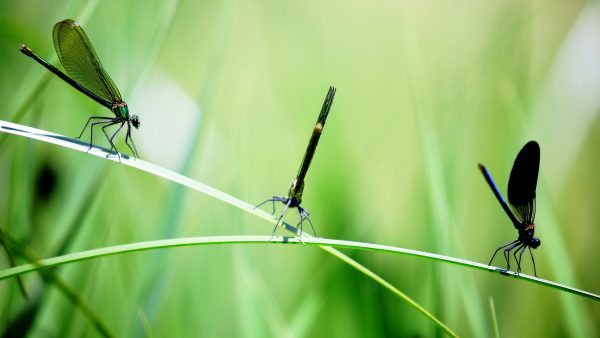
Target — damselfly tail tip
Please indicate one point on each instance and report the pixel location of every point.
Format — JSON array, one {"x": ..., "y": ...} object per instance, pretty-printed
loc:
[
  {"x": 329, "y": 98},
  {"x": 331, "y": 91},
  {"x": 25, "y": 50},
  {"x": 481, "y": 166}
]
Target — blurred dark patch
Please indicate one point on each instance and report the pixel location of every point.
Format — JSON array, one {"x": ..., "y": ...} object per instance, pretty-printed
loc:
[
  {"x": 21, "y": 325},
  {"x": 46, "y": 183}
]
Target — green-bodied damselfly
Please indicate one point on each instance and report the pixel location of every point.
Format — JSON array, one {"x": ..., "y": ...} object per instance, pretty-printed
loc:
[{"x": 87, "y": 75}]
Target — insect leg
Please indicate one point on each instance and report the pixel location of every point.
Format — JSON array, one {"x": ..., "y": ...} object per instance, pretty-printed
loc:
[
  {"x": 110, "y": 122},
  {"x": 307, "y": 217},
  {"x": 518, "y": 260},
  {"x": 112, "y": 145},
  {"x": 533, "y": 260},
  {"x": 301, "y": 212},
  {"x": 287, "y": 205},
  {"x": 128, "y": 139},
  {"x": 115, "y": 133},
  {"x": 507, "y": 253},
  {"x": 501, "y": 247},
  {"x": 88, "y": 121},
  {"x": 273, "y": 199}
]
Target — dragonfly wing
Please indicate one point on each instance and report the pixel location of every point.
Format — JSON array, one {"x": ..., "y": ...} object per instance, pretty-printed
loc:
[
  {"x": 79, "y": 58},
  {"x": 523, "y": 181}
]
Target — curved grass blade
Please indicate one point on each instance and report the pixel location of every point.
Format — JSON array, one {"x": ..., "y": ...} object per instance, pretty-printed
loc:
[{"x": 320, "y": 242}]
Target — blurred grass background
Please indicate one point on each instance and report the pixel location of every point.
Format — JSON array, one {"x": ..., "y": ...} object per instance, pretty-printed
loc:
[{"x": 228, "y": 92}]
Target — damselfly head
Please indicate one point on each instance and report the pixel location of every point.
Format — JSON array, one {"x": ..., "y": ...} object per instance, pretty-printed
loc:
[
  {"x": 135, "y": 121},
  {"x": 535, "y": 242}
]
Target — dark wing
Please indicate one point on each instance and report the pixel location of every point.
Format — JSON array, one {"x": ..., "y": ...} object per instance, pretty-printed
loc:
[
  {"x": 77, "y": 55},
  {"x": 314, "y": 139},
  {"x": 523, "y": 181}
]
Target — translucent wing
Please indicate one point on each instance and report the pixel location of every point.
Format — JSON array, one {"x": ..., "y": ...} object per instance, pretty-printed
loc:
[
  {"x": 77, "y": 55},
  {"x": 523, "y": 181}
]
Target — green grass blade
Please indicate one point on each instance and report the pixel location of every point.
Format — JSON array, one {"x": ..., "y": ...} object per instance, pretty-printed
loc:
[
  {"x": 390, "y": 287},
  {"x": 327, "y": 244},
  {"x": 145, "y": 323},
  {"x": 67, "y": 142},
  {"x": 494, "y": 318}
]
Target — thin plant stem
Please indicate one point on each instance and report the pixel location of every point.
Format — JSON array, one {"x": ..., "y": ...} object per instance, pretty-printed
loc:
[
  {"x": 323, "y": 242},
  {"x": 494, "y": 318}
]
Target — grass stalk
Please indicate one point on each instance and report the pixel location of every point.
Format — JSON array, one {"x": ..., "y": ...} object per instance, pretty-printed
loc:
[
  {"x": 321, "y": 242},
  {"x": 494, "y": 318}
]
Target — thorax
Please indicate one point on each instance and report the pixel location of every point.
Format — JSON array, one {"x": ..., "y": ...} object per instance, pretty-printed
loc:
[
  {"x": 121, "y": 110},
  {"x": 526, "y": 232}
]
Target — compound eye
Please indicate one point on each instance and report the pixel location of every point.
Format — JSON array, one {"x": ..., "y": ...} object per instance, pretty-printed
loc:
[{"x": 135, "y": 121}]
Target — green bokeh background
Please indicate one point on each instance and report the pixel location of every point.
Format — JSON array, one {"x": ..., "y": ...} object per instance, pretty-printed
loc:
[{"x": 228, "y": 92}]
